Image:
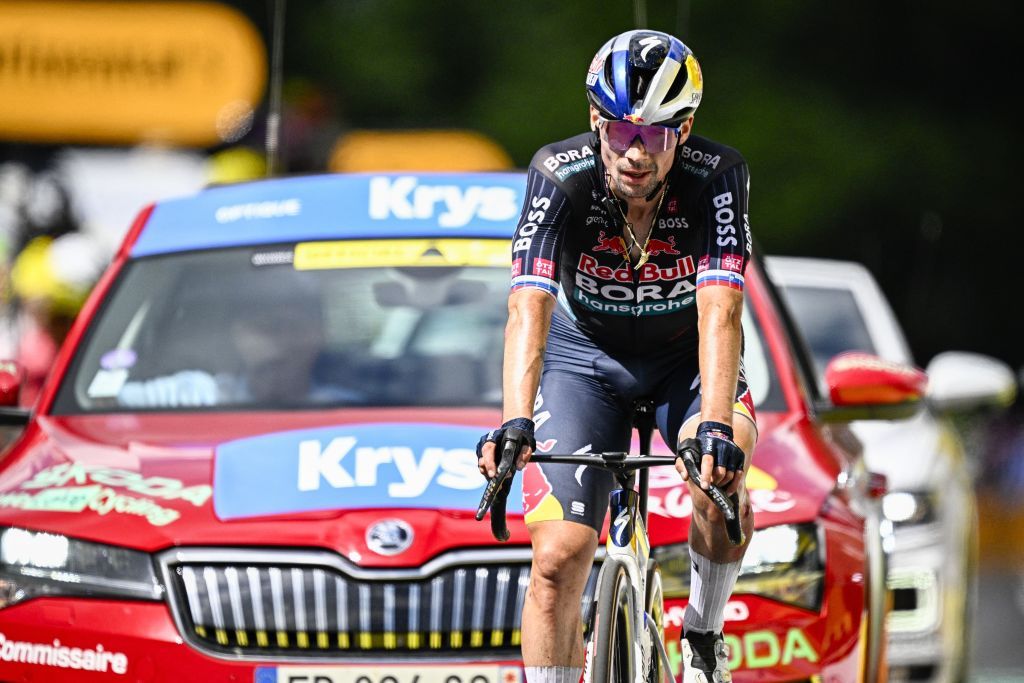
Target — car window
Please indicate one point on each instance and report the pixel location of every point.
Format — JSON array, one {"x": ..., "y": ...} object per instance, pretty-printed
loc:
[
  {"x": 830, "y": 322},
  {"x": 248, "y": 329}
]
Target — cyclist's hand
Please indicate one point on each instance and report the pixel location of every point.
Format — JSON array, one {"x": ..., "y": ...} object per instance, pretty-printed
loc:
[
  {"x": 486, "y": 448},
  {"x": 721, "y": 459}
]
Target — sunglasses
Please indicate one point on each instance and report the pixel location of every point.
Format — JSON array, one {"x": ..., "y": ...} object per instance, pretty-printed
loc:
[{"x": 621, "y": 134}]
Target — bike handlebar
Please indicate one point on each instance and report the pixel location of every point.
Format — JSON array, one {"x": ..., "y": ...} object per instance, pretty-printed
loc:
[{"x": 495, "y": 496}]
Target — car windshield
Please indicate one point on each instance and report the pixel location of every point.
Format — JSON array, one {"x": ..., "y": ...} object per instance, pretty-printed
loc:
[
  {"x": 274, "y": 328},
  {"x": 830, "y": 322}
]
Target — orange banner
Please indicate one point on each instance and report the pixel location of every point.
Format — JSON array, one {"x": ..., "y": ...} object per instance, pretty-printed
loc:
[{"x": 187, "y": 73}]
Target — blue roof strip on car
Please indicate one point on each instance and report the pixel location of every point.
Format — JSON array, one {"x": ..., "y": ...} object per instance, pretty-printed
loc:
[{"x": 326, "y": 207}]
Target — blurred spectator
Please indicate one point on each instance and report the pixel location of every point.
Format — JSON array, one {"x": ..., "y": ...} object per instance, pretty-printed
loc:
[
  {"x": 1003, "y": 468},
  {"x": 235, "y": 165},
  {"x": 311, "y": 126},
  {"x": 50, "y": 279}
]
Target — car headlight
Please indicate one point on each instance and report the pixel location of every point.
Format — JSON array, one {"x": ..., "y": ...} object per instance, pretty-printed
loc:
[
  {"x": 35, "y": 564},
  {"x": 784, "y": 563},
  {"x": 904, "y": 508}
]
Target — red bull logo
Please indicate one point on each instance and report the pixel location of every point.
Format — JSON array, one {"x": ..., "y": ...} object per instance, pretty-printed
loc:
[
  {"x": 649, "y": 272},
  {"x": 546, "y": 445},
  {"x": 536, "y": 487},
  {"x": 633, "y": 118},
  {"x": 656, "y": 246},
  {"x": 614, "y": 244}
]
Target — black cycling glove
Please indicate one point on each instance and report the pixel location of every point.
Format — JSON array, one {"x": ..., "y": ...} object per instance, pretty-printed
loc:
[
  {"x": 496, "y": 435},
  {"x": 716, "y": 440}
]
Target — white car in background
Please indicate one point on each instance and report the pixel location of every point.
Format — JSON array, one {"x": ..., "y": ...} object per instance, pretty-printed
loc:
[{"x": 838, "y": 306}]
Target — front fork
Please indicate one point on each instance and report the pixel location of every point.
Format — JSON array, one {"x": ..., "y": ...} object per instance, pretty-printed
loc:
[{"x": 628, "y": 545}]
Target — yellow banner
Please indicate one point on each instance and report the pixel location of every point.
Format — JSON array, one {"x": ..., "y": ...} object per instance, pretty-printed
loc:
[
  {"x": 187, "y": 73},
  {"x": 397, "y": 253}
]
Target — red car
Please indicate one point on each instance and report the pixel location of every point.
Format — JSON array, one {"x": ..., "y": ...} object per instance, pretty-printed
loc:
[{"x": 253, "y": 459}]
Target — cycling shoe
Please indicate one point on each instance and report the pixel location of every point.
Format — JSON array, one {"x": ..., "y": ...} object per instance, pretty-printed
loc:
[{"x": 705, "y": 658}]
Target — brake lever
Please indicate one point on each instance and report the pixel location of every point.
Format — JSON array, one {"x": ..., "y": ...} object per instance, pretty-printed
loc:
[
  {"x": 495, "y": 496},
  {"x": 729, "y": 505}
]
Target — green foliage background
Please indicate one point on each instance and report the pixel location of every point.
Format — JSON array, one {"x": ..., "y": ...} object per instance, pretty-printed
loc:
[{"x": 877, "y": 131}]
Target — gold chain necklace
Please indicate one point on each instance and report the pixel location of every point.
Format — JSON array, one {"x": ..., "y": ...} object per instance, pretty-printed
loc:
[{"x": 644, "y": 256}]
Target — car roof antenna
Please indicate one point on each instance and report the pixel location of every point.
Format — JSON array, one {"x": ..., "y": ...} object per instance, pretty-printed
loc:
[{"x": 273, "y": 138}]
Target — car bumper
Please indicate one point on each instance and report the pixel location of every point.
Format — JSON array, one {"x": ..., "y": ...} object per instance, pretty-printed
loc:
[
  {"x": 928, "y": 602},
  {"x": 83, "y": 640},
  {"x": 80, "y": 640}
]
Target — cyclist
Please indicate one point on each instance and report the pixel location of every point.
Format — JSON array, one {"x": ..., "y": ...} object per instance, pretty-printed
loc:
[{"x": 627, "y": 283}]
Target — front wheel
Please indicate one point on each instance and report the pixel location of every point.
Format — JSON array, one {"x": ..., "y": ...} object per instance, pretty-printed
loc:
[
  {"x": 654, "y": 604},
  {"x": 614, "y": 632}
]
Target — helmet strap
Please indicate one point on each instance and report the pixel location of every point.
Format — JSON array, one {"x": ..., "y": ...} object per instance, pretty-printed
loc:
[{"x": 654, "y": 192}]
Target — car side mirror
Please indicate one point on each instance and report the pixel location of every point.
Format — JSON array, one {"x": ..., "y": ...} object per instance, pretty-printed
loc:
[
  {"x": 11, "y": 377},
  {"x": 862, "y": 386},
  {"x": 959, "y": 381}
]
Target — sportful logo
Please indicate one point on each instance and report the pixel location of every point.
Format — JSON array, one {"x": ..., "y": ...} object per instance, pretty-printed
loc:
[{"x": 406, "y": 198}]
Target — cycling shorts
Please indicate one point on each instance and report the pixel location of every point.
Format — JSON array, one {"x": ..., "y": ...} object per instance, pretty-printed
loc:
[{"x": 585, "y": 404}]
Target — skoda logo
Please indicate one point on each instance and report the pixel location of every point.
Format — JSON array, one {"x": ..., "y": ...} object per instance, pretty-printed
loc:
[{"x": 389, "y": 537}]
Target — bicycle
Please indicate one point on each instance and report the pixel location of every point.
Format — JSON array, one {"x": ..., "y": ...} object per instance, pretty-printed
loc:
[{"x": 626, "y": 643}]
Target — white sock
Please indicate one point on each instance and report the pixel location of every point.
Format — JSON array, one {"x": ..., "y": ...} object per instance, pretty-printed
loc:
[
  {"x": 553, "y": 674},
  {"x": 711, "y": 585}
]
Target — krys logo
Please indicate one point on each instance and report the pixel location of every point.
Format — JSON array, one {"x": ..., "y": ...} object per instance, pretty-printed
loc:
[
  {"x": 452, "y": 206},
  {"x": 346, "y": 468}
]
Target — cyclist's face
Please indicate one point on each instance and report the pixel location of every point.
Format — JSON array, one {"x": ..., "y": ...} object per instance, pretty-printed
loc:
[{"x": 637, "y": 171}]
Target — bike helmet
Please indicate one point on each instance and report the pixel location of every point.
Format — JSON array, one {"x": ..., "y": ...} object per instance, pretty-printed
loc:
[{"x": 645, "y": 77}]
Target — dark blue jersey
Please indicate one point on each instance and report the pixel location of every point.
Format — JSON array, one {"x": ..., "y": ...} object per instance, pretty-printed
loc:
[{"x": 568, "y": 243}]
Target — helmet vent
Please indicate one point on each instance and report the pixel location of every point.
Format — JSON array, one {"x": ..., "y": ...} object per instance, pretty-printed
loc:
[
  {"x": 677, "y": 85},
  {"x": 641, "y": 81}
]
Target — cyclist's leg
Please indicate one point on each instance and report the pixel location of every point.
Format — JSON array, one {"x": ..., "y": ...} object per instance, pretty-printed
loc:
[
  {"x": 565, "y": 505},
  {"x": 715, "y": 562}
]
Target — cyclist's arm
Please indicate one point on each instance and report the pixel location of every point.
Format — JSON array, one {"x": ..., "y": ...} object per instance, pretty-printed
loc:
[
  {"x": 719, "y": 311},
  {"x": 529, "y": 317},
  {"x": 720, "y": 290},
  {"x": 536, "y": 252},
  {"x": 536, "y": 249}
]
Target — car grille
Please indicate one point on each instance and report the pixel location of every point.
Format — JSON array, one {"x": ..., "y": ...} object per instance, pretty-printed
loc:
[{"x": 315, "y": 604}]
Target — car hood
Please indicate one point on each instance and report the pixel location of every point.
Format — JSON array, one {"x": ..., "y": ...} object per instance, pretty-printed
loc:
[{"x": 317, "y": 480}]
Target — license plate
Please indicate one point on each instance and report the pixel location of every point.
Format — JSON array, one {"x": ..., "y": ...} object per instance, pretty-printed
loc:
[{"x": 388, "y": 674}]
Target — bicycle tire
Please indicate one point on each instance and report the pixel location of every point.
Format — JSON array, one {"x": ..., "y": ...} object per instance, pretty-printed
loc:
[
  {"x": 614, "y": 630},
  {"x": 654, "y": 605}
]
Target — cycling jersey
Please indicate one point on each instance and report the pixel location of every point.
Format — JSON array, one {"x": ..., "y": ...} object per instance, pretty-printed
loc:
[{"x": 567, "y": 243}]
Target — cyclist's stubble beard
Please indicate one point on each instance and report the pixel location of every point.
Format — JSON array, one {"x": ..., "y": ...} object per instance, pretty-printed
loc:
[{"x": 616, "y": 165}]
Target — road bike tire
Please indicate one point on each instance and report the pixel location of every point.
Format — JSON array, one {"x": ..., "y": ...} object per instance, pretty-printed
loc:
[
  {"x": 614, "y": 630},
  {"x": 654, "y": 605}
]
